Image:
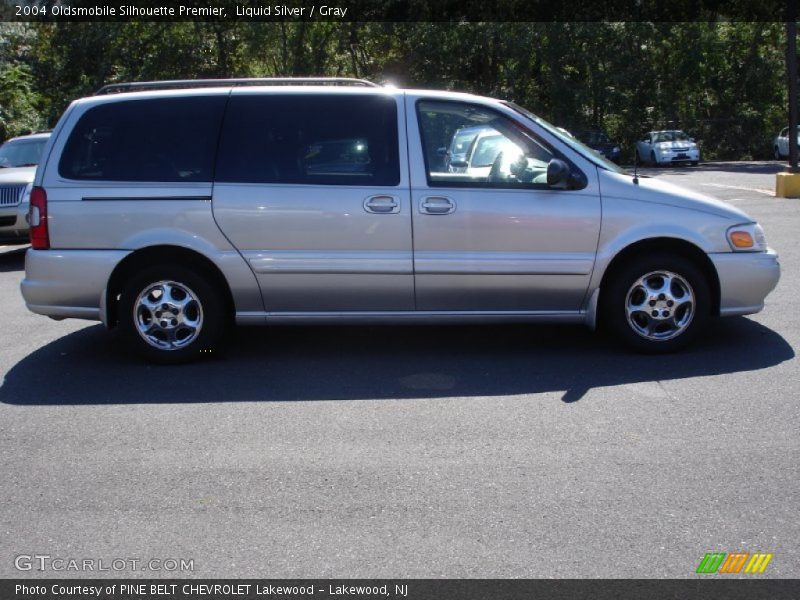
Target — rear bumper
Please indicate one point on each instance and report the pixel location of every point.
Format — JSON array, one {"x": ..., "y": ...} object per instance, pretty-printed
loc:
[
  {"x": 68, "y": 283},
  {"x": 745, "y": 280}
]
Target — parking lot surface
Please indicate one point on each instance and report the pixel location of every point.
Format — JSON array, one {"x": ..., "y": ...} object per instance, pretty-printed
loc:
[{"x": 492, "y": 451}]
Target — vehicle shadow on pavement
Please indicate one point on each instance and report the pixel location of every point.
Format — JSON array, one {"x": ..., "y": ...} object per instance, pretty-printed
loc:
[
  {"x": 359, "y": 363},
  {"x": 12, "y": 260}
]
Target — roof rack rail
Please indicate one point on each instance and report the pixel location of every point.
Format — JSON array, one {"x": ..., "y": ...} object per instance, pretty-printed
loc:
[{"x": 142, "y": 86}]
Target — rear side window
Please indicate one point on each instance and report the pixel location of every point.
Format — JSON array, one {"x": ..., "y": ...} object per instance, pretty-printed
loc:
[
  {"x": 310, "y": 139},
  {"x": 169, "y": 139}
]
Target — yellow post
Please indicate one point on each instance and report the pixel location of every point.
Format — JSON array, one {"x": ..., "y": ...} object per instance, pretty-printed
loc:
[{"x": 787, "y": 185}]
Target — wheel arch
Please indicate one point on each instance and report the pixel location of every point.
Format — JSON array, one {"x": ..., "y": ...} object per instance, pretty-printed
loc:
[
  {"x": 162, "y": 254},
  {"x": 677, "y": 246}
]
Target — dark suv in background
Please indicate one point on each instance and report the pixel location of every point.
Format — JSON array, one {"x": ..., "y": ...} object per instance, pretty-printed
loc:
[{"x": 601, "y": 143}]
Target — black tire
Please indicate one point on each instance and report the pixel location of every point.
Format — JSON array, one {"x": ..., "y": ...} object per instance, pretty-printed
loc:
[
  {"x": 694, "y": 163},
  {"x": 653, "y": 158},
  {"x": 777, "y": 153},
  {"x": 204, "y": 307},
  {"x": 616, "y": 296}
]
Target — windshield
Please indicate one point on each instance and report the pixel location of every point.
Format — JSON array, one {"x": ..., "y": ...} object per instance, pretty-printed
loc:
[
  {"x": 671, "y": 136},
  {"x": 573, "y": 143},
  {"x": 19, "y": 153}
]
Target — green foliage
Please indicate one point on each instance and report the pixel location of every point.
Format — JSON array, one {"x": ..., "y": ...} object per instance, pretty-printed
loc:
[
  {"x": 723, "y": 82},
  {"x": 18, "y": 113},
  {"x": 19, "y": 102}
]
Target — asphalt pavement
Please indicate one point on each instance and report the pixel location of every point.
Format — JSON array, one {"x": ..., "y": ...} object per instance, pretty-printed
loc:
[{"x": 491, "y": 451}]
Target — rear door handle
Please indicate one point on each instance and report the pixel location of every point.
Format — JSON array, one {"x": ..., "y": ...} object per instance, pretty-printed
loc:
[
  {"x": 382, "y": 204},
  {"x": 437, "y": 205}
]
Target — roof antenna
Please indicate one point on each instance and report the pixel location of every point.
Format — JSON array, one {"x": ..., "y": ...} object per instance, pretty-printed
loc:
[{"x": 635, "y": 165}]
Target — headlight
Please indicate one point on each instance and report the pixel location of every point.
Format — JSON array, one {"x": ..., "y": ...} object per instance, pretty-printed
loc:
[
  {"x": 748, "y": 237},
  {"x": 615, "y": 150}
]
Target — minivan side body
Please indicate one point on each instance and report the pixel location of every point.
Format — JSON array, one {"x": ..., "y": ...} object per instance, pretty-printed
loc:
[{"x": 315, "y": 204}]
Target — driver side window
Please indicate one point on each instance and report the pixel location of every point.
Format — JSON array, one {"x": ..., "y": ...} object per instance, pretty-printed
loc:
[{"x": 474, "y": 146}]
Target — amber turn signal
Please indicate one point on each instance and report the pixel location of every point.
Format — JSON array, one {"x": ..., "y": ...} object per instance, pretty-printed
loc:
[{"x": 742, "y": 239}]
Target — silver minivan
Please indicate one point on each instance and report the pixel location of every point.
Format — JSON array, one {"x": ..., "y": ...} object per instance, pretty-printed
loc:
[{"x": 173, "y": 210}]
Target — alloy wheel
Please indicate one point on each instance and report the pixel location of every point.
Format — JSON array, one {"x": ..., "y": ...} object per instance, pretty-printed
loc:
[
  {"x": 660, "y": 305},
  {"x": 168, "y": 315}
]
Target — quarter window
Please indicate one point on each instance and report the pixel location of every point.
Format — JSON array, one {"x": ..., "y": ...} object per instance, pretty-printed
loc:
[
  {"x": 163, "y": 140},
  {"x": 310, "y": 139}
]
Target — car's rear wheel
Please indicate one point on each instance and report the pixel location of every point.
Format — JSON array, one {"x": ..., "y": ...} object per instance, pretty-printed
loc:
[
  {"x": 657, "y": 303},
  {"x": 170, "y": 314}
]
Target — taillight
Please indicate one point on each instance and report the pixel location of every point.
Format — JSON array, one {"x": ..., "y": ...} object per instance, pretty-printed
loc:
[{"x": 40, "y": 237}]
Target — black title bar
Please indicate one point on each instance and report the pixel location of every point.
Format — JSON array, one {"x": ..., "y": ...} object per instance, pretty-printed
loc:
[{"x": 394, "y": 10}]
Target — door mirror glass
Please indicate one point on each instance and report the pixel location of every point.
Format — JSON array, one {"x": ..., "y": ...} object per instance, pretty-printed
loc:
[
  {"x": 557, "y": 172},
  {"x": 560, "y": 175}
]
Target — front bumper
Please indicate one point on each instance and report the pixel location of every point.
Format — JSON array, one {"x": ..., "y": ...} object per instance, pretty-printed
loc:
[
  {"x": 13, "y": 223},
  {"x": 745, "y": 280},
  {"x": 674, "y": 156},
  {"x": 68, "y": 283}
]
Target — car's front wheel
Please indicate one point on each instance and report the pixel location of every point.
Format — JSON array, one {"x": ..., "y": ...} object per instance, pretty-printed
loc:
[
  {"x": 653, "y": 159},
  {"x": 170, "y": 314},
  {"x": 777, "y": 153},
  {"x": 657, "y": 303}
]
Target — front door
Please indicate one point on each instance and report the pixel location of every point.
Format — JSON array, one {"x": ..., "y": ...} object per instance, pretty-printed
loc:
[{"x": 489, "y": 233}]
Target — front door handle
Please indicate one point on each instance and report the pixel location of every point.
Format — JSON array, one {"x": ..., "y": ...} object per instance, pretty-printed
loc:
[
  {"x": 382, "y": 204},
  {"x": 437, "y": 205}
]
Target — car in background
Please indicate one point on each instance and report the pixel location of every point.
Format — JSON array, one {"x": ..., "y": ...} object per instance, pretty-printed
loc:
[
  {"x": 600, "y": 143},
  {"x": 780, "y": 147},
  {"x": 485, "y": 149},
  {"x": 18, "y": 159},
  {"x": 666, "y": 147},
  {"x": 456, "y": 155}
]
